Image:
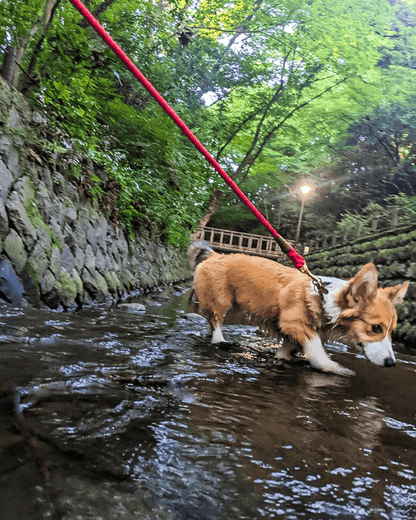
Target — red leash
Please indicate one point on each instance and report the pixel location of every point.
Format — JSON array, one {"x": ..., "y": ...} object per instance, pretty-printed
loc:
[{"x": 297, "y": 260}]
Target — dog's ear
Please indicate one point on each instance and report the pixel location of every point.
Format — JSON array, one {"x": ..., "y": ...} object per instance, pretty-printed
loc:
[
  {"x": 363, "y": 287},
  {"x": 397, "y": 293}
]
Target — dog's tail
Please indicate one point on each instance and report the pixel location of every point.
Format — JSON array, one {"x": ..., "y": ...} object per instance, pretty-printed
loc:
[{"x": 198, "y": 252}]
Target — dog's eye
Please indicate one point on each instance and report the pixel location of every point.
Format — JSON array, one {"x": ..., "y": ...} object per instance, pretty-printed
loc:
[{"x": 377, "y": 329}]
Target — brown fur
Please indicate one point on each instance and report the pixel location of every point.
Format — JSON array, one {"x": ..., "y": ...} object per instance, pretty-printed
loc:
[
  {"x": 283, "y": 301},
  {"x": 268, "y": 291}
]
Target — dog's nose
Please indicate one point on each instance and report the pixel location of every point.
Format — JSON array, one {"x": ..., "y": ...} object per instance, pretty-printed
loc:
[{"x": 389, "y": 362}]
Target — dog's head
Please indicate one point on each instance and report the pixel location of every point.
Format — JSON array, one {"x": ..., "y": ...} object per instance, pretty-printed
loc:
[{"x": 368, "y": 314}]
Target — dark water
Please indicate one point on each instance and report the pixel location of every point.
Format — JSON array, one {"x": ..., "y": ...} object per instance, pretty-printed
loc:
[{"x": 111, "y": 414}]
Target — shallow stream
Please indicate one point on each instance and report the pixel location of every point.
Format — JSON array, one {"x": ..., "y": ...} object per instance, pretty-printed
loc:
[{"x": 120, "y": 414}]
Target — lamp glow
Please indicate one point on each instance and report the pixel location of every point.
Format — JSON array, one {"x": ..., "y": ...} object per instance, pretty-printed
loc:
[{"x": 305, "y": 190}]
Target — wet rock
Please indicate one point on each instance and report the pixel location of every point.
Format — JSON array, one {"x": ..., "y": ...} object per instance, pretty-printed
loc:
[
  {"x": 52, "y": 298},
  {"x": 17, "y": 213},
  {"x": 54, "y": 261},
  {"x": 91, "y": 238},
  {"x": 113, "y": 252},
  {"x": 4, "y": 220},
  {"x": 13, "y": 162},
  {"x": 44, "y": 200},
  {"x": 95, "y": 284},
  {"x": 47, "y": 282},
  {"x": 411, "y": 270},
  {"x": 24, "y": 188},
  {"x": 5, "y": 145},
  {"x": 100, "y": 262},
  {"x": 67, "y": 259},
  {"x": 38, "y": 118},
  {"x": 30, "y": 288},
  {"x": 194, "y": 317},
  {"x": 113, "y": 282},
  {"x": 79, "y": 237},
  {"x": 15, "y": 250},
  {"x": 67, "y": 287},
  {"x": 14, "y": 120},
  {"x": 58, "y": 212},
  {"x": 127, "y": 278},
  {"x": 89, "y": 260},
  {"x": 56, "y": 230},
  {"x": 10, "y": 287},
  {"x": 77, "y": 281},
  {"x": 132, "y": 307},
  {"x": 69, "y": 237},
  {"x": 79, "y": 257},
  {"x": 38, "y": 259},
  {"x": 103, "y": 226},
  {"x": 6, "y": 181},
  {"x": 70, "y": 213}
]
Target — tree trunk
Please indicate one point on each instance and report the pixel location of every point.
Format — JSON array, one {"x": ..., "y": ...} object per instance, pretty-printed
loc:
[
  {"x": 50, "y": 8},
  {"x": 213, "y": 206},
  {"x": 9, "y": 65},
  {"x": 20, "y": 52}
]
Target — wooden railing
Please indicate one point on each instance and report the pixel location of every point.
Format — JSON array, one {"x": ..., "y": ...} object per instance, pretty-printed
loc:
[{"x": 233, "y": 241}]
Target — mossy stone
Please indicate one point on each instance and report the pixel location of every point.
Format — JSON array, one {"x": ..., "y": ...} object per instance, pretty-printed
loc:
[
  {"x": 15, "y": 250},
  {"x": 67, "y": 287}
]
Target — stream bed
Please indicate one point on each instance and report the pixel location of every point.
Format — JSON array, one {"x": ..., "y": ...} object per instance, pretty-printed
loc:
[{"x": 127, "y": 414}]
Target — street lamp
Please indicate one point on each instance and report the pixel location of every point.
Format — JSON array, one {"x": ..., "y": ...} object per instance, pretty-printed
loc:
[{"x": 304, "y": 190}]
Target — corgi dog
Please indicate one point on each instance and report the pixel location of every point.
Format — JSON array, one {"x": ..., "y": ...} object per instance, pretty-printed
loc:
[{"x": 283, "y": 301}]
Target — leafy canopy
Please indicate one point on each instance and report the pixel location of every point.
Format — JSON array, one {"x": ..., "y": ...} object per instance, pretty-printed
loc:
[{"x": 268, "y": 86}]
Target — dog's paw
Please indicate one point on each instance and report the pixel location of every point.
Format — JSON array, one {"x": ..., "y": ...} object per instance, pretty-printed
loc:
[
  {"x": 336, "y": 368},
  {"x": 282, "y": 355}
]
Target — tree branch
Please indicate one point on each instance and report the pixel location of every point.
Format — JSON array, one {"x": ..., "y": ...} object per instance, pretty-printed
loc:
[
  {"x": 256, "y": 113},
  {"x": 250, "y": 157},
  {"x": 46, "y": 23},
  {"x": 42, "y": 24},
  {"x": 97, "y": 11},
  {"x": 240, "y": 30}
]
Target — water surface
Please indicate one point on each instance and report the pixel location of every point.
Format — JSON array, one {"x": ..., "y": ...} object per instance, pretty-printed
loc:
[{"x": 107, "y": 413}]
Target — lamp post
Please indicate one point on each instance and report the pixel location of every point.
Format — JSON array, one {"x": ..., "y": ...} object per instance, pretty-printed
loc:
[{"x": 304, "y": 190}]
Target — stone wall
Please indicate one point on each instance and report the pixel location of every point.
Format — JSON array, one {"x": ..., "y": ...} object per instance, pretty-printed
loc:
[
  {"x": 394, "y": 254},
  {"x": 54, "y": 248}
]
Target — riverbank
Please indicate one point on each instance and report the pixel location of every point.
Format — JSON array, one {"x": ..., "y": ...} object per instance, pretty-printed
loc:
[{"x": 56, "y": 248}]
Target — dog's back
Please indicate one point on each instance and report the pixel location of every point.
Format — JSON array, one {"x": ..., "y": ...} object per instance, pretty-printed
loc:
[
  {"x": 282, "y": 300},
  {"x": 198, "y": 252}
]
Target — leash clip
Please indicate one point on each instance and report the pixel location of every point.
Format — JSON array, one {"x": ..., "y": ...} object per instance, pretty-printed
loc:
[
  {"x": 317, "y": 283},
  {"x": 319, "y": 286}
]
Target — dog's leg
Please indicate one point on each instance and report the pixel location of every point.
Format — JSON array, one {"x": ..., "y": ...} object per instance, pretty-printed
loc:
[
  {"x": 318, "y": 358},
  {"x": 215, "y": 322},
  {"x": 285, "y": 350},
  {"x": 217, "y": 336}
]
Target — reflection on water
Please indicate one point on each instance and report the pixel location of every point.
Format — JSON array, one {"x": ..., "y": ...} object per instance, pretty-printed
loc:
[{"x": 136, "y": 415}]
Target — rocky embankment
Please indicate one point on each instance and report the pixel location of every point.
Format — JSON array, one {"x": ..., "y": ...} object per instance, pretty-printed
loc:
[{"x": 55, "y": 248}]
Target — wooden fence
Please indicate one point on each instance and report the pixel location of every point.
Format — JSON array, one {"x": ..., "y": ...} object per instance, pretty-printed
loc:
[{"x": 235, "y": 242}]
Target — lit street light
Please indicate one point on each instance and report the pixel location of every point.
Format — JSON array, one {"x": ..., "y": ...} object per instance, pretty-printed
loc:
[{"x": 304, "y": 190}]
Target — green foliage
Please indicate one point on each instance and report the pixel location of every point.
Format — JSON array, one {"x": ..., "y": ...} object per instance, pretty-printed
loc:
[
  {"x": 405, "y": 203},
  {"x": 270, "y": 87},
  {"x": 352, "y": 226},
  {"x": 374, "y": 216}
]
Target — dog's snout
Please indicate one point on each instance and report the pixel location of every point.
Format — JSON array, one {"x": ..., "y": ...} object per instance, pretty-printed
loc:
[{"x": 389, "y": 362}]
